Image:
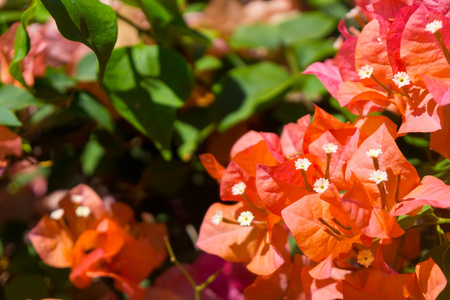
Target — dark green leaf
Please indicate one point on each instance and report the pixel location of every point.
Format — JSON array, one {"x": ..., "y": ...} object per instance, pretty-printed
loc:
[
  {"x": 26, "y": 286},
  {"x": 166, "y": 21},
  {"x": 96, "y": 111},
  {"x": 246, "y": 89},
  {"x": 147, "y": 84},
  {"x": 407, "y": 222},
  {"x": 89, "y": 22}
]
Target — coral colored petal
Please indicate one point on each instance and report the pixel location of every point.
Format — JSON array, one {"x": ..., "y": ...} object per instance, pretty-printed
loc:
[
  {"x": 431, "y": 191},
  {"x": 430, "y": 278},
  {"x": 328, "y": 74},
  {"x": 391, "y": 158},
  {"x": 439, "y": 89},
  {"x": 279, "y": 186},
  {"x": 369, "y": 51},
  {"x": 214, "y": 168},
  {"x": 420, "y": 50},
  {"x": 370, "y": 124},
  {"x": 292, "y": 137},
  {"x": 10, "y": 142},
  {"x": 347, "y": 141},
  {"x": 249, "y": 139},
  {"x": 232, "y": 242},
  {"x": 52, "y": 243}
]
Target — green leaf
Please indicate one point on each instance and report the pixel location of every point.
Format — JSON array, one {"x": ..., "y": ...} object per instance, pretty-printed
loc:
[
  {"x": 255, "y": 36},
  {"x": 22, "y": 44},
  {"x": 92, "y": 154},
  {"x": 96, "y": 111},
  {"x": 309, "y": 51},
  {"x": 147, "y": 84},
  {"x": 8, "y": 118},
  {"x": 166, "y": 21},
  {"x": 14, "y": 98},
  {"x": 244, "y": 90},
  {"x": 406, "y": 222},
  {"x": 207, "y": 63},
  {"x": 26, "y": 286},
  {"x": 89, "y": 22},
  {"x": 87, "y": 69},
  {"x": 191, "y": 136},
  {"x": 308, "y": 25}
]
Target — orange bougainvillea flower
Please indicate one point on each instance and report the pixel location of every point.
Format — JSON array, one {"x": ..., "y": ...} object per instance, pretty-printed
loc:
[
  {"x": 99, "y": 241},
  {"x": 242, "y": 233},
  {"x": 426, "y": 282},
  {"x": 397, "y": 62},
  {"x": 293, "y": 281}
]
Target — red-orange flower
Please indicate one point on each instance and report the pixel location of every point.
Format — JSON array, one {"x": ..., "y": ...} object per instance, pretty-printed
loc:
[{"x": 97, "y": 241}]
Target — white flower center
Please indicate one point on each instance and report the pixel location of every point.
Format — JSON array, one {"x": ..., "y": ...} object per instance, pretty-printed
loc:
[
  {"x": 321, "y": 185},
  {"x": 57, "y": 214},
  {"x": 378, "y": 176},
  {"x": 238, "y": 188},
  {"x": 245, "y": 218},
  {"x": 217, "y": 218},
  {"x": 330, "y": 148},
  {"x": 365, "y": 72},
  {"x": 401, "y": 79},
  {"x": 83, "y": 211},
  {"x": 433, "y": 26},
  {"x": 302, "y": 163},
  {"x": 373, "y": 152}
]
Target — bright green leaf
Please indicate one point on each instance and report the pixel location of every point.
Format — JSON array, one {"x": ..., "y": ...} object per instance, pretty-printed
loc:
[{"x": 92, "y": 154}]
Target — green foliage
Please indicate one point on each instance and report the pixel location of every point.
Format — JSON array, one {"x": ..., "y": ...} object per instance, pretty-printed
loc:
[
  {"x": 89, "y": 22},
  {"x": 147, "y": 84},
  {"x": 406, "y": 222},
  {"x": 246, "y": 90}
]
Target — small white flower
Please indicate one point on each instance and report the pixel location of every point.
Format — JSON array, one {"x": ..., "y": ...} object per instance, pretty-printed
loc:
[
  {"x": 238, "y": 188},
  {"x": 433, "y": 26},
  {"x": 365, "y": 72},
  {"x": 321, "y": 185},
  {"x": 378, "y": 176},
  {"x": 245, "y": 218},
  {"x": 83, "y": 211},
  {"x": 57, "y": 214},
  {"x": 76, "y": 199},
  {"x": 379, "y": 41},
  {"x": 401, "y": 79},
  {"x": 365, "y": 258},
  {"x": 302, "y": 163},
  {"x": 217, "y": 218},
  {"x": 330, "y": 148},
  {"x": 373, "y": 152}
]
